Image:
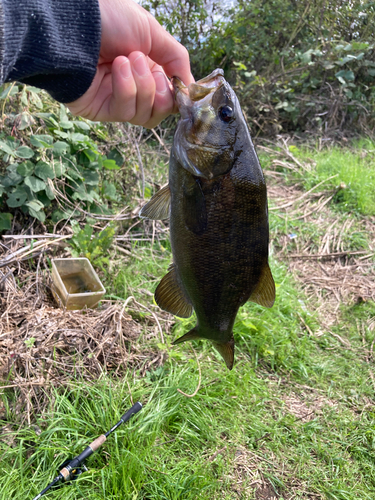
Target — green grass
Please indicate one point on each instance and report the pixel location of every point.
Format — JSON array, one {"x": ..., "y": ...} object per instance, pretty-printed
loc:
[
  {"x": 297, "y": 410},
  {"x": 353, "y": 168},
  {"x": 164, "y": 452}
]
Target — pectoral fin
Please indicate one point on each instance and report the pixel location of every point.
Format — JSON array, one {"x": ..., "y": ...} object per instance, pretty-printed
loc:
[
  {"x": 227, "y": 352},
  {"x": 158, "y": 207},
  {"x": 264, "y": 293},
  {"x": 170, "y": 297}
]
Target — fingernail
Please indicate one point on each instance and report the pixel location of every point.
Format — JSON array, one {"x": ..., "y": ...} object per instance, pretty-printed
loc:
[
  {"x": 140, "y": 66},
  {"x": 161, "y": 83},
  {"x": 125, "y": 69}
]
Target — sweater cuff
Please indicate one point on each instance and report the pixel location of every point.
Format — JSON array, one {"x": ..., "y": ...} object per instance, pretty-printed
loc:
[{"x": 52, "y": 44}]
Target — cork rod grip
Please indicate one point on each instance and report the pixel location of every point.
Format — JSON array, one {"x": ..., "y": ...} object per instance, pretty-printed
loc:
[{"x": 97, "y": 442}]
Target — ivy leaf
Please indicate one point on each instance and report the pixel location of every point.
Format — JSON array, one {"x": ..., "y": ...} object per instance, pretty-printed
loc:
[
  {"x": 114, "y": 154},
  {"x": 66, "y": 124},
  {"x": 35, "y": 205},
  {"x": 38, "y": 214},
  {"x": 41, "y": 141},
  {"x": 60, "y": 147},
  {"x": 26, "y": 168},
  {"x": 9, "y": 91},
  {"x": 110, "y": 165},
  {"x": 44, "y": 171},
  {"x": 91, "y": 178},
  {"x": 12, "y": 178},
  {"x": 49, "y": 192},
  {"x": 345, "y": 75},
  {"x": 5, "y": 221},
  {"x": 24, "y": 152},
  {"x": 26, "y": 120},
  {"x": 81, "y": 125},
  {"x": 34, "y": 183},
  {"x": 17, "y": 198},
  {"x": 7, "y": 148},
  {"x": 60, "y": 133},
  {"x": 109, "y": 191}
]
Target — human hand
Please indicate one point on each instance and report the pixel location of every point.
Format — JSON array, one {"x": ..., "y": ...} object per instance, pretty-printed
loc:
[{"x": 135, "y": 55}]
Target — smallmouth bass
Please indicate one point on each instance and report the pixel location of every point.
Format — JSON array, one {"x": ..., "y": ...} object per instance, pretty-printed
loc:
[{"x": 216, "y": 200}]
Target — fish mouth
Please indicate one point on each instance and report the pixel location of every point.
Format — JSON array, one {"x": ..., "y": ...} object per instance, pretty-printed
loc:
[{"x": 196, "y": 92}]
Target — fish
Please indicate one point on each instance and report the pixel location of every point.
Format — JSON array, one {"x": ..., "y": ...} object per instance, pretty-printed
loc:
[{"x": 216, "y": 200}]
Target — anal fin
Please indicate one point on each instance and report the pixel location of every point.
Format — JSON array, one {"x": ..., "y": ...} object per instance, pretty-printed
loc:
[
  {"x": 159, "y": 205},
  {"x": 192, "y": 335},
  {"x": 170, "y": 297},
  {"x": 226, "y": 351},
  {"x": 264, "y": 293}
]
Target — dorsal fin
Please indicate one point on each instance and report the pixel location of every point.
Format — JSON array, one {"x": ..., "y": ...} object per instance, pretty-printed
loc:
[
  {"x": 227, "y": 352},
  {"x": 158, "y": 207},
  {"x": 264, "y": 293},
  {"x": 170, "y": 297}
]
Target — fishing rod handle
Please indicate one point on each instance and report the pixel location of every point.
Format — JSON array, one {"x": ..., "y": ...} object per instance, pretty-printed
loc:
[
  {"x": 133, "y": 410},
  {"x": 78, "y": 460}
]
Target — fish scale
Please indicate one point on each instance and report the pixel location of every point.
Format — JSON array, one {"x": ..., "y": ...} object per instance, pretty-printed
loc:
[{"x": 217, "y": 203}]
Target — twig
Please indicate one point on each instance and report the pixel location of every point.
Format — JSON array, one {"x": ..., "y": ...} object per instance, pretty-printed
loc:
[
  {"x": 304, "y": 194},
  {"x": 321, "y": 255},
  {"x": 212, "y": 457},
  {"x": 160, "y": 140}
]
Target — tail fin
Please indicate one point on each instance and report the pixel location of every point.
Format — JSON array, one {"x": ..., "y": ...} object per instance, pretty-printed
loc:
[{"x": 226, "y": 350}]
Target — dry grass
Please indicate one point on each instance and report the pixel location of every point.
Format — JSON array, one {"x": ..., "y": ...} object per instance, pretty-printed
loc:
[
  {"x": 42, "y": 344},
  {"x": 330, "y": 273}
]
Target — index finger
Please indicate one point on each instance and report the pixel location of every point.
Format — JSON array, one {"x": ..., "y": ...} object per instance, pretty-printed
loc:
[{"x": 169, "y": 53}]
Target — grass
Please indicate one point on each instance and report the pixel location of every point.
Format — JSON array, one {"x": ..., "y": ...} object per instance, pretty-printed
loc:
[
  {"x": 296, "y": 413},
  {"x": 353, "y": 168}
]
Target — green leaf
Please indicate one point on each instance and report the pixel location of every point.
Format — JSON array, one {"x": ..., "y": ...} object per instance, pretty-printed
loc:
[
  {"x": 5, "y": 221},
  {"x": 17, "y": 198},
  {"x": 7, "y": 148},
  {"x": 117, "y": 156},
  {"x": 49, "y": 192},
  {"x": 41, "y": 141},
  {"x": 240, "y": 65},
  {"x": 60, "y": 147},
  {"x": 110, "y": 191},
  {"x": 38, "y": 214},
  {"x": 66, "y": 124},
  {"x": 9, "y": 91},
  {"x": 12, "y": 178},
  {"x": 347, "y": 75},
  {"x": 81, "y": 125},
  {"x": 34, "y": 183},
  {"x": 371, "y": 71},
  {"x": 77, "y": 138},
  {"x": 110, "y": 165},
  {"x": 25, "y": 168},
  {"x": 90, "y": 177},
  {"x": 59, "y": 168},
  {"x": 24, "y": 152},
  {"x": 26, "y": 120},
  {"x": 44, "y": 171},
  {"x": 35, "y": 205},
  {"x": 34, "y": 90},
  {"x": 60, "y": 133}
]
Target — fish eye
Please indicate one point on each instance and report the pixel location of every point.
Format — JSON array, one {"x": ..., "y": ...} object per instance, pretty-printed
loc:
[{"x": 226, "y": 113}]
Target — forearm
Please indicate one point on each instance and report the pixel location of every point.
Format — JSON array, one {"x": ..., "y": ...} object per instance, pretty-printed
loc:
[{"x": 52, "y": 44}]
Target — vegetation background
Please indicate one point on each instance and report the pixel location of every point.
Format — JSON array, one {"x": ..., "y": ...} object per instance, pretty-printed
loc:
[{"x": 295, "y": 418}]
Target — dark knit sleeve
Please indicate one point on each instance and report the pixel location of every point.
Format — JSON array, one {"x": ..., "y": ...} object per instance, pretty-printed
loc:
[{"x": 51, "y": 44}]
